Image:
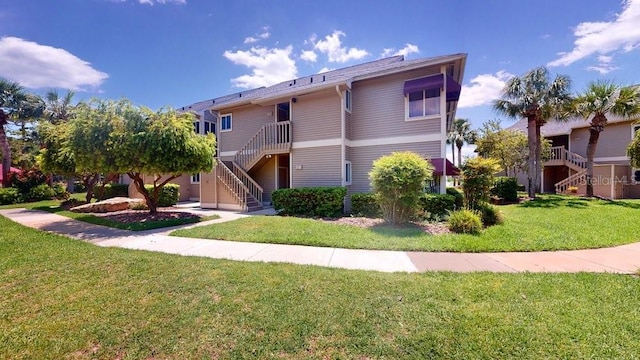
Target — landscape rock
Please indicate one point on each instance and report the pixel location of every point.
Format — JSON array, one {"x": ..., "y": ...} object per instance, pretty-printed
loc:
[{"x": 109, "y": 205}]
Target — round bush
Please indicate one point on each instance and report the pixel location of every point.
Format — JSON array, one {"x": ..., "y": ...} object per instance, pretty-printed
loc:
[
  {"x": 41, "y": 192},
  {"x": 465, "y": 222},
  {"x": 491, "y": 215}
]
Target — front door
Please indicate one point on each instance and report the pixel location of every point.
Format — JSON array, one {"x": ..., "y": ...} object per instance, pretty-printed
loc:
[{"x": 283, "y": 172}]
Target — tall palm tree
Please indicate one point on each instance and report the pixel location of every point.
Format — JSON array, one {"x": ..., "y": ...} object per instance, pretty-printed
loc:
[
  {"x": 538, "y": 99},
  {"x": 600, "y": 99},
  {"x": 462, "y": 134},
  {"x": 11, "y": 95},
  {"x": 451, "y": 140},
  {"x": 58, "y": 108}
]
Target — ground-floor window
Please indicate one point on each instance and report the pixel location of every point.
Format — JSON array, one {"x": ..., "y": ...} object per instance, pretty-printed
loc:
[
  {"x": 195, "y": 178},
  {"x": 433, "y": 186},
  {"x": 347, "y": 172}
]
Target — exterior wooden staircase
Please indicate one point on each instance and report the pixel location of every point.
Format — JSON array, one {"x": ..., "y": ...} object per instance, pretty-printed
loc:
[
  {"x": 271, "y": 139},
  {"x": 562, "y": 156}
]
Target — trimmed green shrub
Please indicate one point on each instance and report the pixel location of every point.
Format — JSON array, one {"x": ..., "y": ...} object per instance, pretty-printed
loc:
[
  {"x": 477, "y": 179},
  {"x": 436, "y": 206},
  {"x": 506, "y": 188},
  {"x": 458, "y": 195},
  {"x": 40, "y": 192},
  {"x": 27, "y": 180},
  {"x": 109, "y": 191},
  {"x": 317, "y": 201},
  {"x": 465, "y": 221},
  {"x": 60, "y": 191},
  {"x": 490, "y": 214},
  {"x": 9, "y": 196},
  {"x": 365, "y": 204},
  {"x": 399, "y": 180},
  {"x": 78, "y": 187},
  {"x": 169, "y": 195}
]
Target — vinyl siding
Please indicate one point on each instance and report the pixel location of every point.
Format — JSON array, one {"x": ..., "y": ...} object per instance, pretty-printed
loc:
[
  {"x": 246, "y": 121},
  {"x": 613, "y": 140},
  {"x": 379, "y": 108},
  {"x": 321, "y": 166},
  {"x": 266, "y": 177},
  {"x": 316, "y": 116},
  {"x": 347, "y": 124},
  {"x": 362, "y": 159}
]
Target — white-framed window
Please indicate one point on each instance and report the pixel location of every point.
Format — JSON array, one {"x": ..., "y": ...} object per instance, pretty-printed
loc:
[
  {"x": 196, "y": 126},
  {"x": 283, "y": 111},
  {"x": 347, "y": 100},
  {"x": 195, "y": 178},
  {"x": 209, "y": 127},
  {"x": 347, "y": 172},
  {"x": 423, "y": 104},
  {"x": 226, "y": 122}
]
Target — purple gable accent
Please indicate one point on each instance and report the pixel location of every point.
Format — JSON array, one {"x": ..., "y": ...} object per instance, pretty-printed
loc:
[
  {"x": 425, "y": 83},
  {"x": 453, "y": 89},
  {"x": 434, "y": 82}
]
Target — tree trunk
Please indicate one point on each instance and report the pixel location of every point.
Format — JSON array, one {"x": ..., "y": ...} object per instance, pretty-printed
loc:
[
  {"x": 538, "y": 158},
  {"x": 152, "y": 203},
  {"x": 6, "y": 154},
  {"x": 597, "y": 126},
  {"x": 453, "y": 159},
  {"x": 531, "y": 174},
  {"x": 459, "y": 157}
]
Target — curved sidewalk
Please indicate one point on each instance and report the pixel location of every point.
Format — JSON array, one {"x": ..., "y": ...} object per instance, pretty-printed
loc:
[{"x": 621, "y": 259}]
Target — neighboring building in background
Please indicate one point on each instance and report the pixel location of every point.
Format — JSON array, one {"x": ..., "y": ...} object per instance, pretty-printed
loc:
[
  {"x": 325, "y": 129},
  {"x": 565, "y": 172}
]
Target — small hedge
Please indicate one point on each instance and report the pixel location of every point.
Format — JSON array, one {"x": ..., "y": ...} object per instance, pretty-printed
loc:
[
  {"x": 365, "y": 204},
  {"x": 318, "y": 201},
  {"x": 505, "y": 188},
  {"x": 9, "y": 195},
  {"x": 465, "y": 222},
  {"x": 169, "y": 195},
  {"x": 40, "y": 192},
  {"x": 458, "y": 195},
  {"x": 490, "y": 215},
  {"x": 436, "y": 206},
  {"x": 109, "y": 191}
]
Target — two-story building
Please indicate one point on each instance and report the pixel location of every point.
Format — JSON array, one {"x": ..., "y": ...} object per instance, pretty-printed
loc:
[{"x": 325, "y": 129}]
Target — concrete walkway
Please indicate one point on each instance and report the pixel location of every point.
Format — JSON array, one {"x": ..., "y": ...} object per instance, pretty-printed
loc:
[{"x": 621, "y": 259}]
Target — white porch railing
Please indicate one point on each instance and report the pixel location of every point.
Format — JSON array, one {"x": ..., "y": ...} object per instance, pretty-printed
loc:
[
  {"x": 233, "y": 184},
  {"x": 254, "y": 188},
  {"x": 574, "y": 180},
  {"x": 562, "y": 156},
  {"x": 271, "y": 138}
]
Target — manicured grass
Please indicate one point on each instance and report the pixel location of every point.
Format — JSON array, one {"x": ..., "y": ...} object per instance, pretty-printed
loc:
[
  {"x": 550, "y": 223},
  {"x": 64, "y": 298}
]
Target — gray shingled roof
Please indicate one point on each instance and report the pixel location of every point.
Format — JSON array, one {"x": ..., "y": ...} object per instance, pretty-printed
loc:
[
  {"x": 555, "y": 128},
  {"x": 317, "y": 81}
]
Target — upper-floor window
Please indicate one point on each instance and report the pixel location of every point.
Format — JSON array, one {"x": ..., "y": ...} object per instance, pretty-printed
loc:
[
  {"x": 196, "y": 126},
  {"x": 283, "y": 111},
  {"x": 226, "y": 122},
  {"x": 423, "y": 103},
  {"x": 347, "y": 172},
  {"x": 195, "y": 178},
  {"x": 634, "y": 130},
  {"x": 347, "y": 100},
  {"x": 209, "y": 127}
]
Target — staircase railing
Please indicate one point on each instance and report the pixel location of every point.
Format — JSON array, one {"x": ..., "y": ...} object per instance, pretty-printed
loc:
[
  {"x": 560, "y": 155},
  {"x": 254, "y": 188},
  {"x": 574, "y": 180},
  {"x": 270, "y": 138},
  {"x": 234, "y": 185}
]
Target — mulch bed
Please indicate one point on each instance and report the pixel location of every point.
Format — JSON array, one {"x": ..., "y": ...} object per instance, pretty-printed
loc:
[{"x": 140, "y": 216}]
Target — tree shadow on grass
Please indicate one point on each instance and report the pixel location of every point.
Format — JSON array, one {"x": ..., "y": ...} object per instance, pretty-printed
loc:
[
  {"x": 627, "y": 204},
  {"x": 403, "y": 231},
  {"x": 556, "y": 201}
]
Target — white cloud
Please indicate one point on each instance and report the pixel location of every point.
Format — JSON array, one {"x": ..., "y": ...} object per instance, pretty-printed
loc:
[
  {"x": 604, "y": 65},
  {"x": 269, "y": 66},
  {"x": 41, "y": 66},
  {"x": 151, "y": 2},
  {"x": 262, "y": 36},
  {"x": 406, "y": 50},
  {"x": 605, "y": 37},
  {"x": 332, "y": 46},
  {"x": 324, "y": 70},
  {"x": 483, "y": 89},
  {"x": 309, "y": 55}
]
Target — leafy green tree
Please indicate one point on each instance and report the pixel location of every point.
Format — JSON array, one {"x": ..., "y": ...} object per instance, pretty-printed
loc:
[
  {"x": 118, "y": 137},
  {"x": 538, "y": 99},
  {"x": 398, "y": 180},
  {"x": 477, "y": 180},
  {"x": 601, "y": 99},
  {"x": 633, "y": 150}
]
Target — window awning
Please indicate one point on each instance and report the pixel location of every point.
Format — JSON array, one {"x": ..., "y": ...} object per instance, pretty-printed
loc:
[
  {"x": 439, "y": 163},
  {"x": 434, "y": 82}
]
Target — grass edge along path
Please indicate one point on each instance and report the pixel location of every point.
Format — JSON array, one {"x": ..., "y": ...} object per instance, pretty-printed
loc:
[
  {"x": 550, "y": 223},
  {"x": 65, "y": 298}
]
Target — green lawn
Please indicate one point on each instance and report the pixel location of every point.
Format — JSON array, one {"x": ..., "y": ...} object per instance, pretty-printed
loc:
[
  {"x": 64, "y": 298},
  {"x": 53, "y": 206},
  {"x": 550, "y": 223}
]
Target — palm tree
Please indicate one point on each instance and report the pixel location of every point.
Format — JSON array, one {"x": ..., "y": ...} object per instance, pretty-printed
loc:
[
  {"x": 11, "y": 95},
  {"x": 602, "y": 98},
  {"x": 538, "y": 99},
  {"x": 462, "y": 134},
  {"x": 58, "y": 108},
  {"x": 451, "y": 140}
]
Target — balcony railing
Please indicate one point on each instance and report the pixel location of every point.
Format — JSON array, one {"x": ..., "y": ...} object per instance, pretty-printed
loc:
[{"x": 270, "y": 139}]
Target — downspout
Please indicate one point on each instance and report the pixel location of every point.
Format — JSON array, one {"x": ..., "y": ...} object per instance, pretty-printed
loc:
[
  {"x": 342, "y": 137},
  {"x": 443, "y": 130}
]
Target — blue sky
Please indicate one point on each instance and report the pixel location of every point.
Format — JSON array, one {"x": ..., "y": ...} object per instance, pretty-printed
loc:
[{"x": 177, "y": 52}]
